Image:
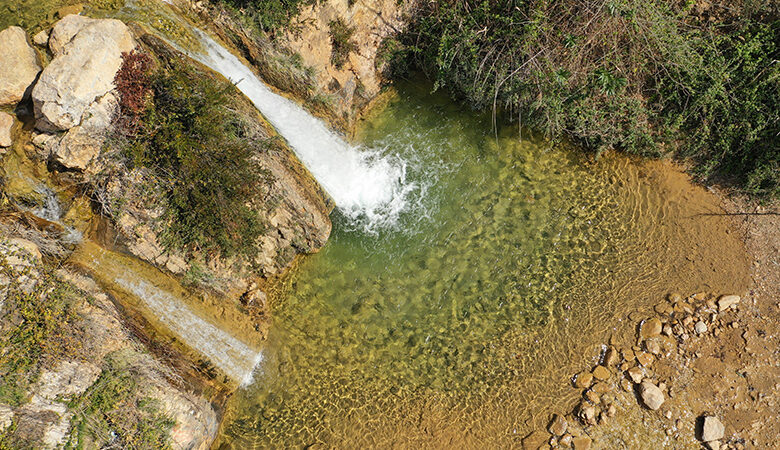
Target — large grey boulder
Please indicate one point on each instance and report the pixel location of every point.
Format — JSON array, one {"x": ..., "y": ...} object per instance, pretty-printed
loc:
[
  {"x": 19, "y": 65},
  {"x": 87, "y": 55}
]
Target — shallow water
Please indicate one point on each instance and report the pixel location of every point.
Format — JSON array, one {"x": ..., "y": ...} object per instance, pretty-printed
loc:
[{"x": 461, "y": 325}]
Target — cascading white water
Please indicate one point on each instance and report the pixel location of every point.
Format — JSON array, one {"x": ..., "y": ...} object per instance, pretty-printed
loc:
[{"x": 366, "y": 185}]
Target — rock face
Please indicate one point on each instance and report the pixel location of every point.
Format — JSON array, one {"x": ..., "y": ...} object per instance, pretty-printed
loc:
[
  {"x": 87, "y": 54},
  {"x": 6, "y": 122},
  {"x": 712, "y": 430},
  {"x": 651, "y": 395},
  {"x": 46, "y": 416},
  {"x": 82, "y": 143},
  {"x": 18, "y": 65},
  {"x": 372, "y": 21}
]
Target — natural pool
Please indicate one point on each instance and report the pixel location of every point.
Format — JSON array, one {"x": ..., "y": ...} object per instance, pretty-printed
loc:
[{"x": 460, "y": 325}]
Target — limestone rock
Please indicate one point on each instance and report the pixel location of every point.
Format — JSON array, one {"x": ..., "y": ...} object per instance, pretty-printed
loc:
[
  {"x": 558, "y": 425},
  {"x": 82, "y": 70},
  {"x": 601, "y": 373},
  {"x": 587, "y": 413},
  {"x": 6, "y": 417},
  {"x": 651, "y": 395},
  {"x": 645, "y": 359},
  {"x": 19, "y": 65},
  {"x": 41, "y": 39},
  {"x": 650, "y": 328},
  {"x": 83, "y": 142},
  {"x": 6, "y": 122},
  {"x": 636, "y": 374},
  {"x": 712, "y": 430},
  {"x": 583, "y": 380},
  {"x": 727, "y": 301},
  {"x": 43, "y": 422},
  {"x": 70, "y": 378},
  {"x": 700, "y": 327}
]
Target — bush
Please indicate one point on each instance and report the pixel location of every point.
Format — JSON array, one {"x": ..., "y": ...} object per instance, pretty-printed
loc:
[
  {"x": 341, "y": 39},
  {"x": 200, "y": 153},
  {"x": 645, "y": 77},
  {"x": 267, "y": 15}
]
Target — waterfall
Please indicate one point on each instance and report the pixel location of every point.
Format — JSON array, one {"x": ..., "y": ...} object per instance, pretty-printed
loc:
[{"x": 366, "y": 185}]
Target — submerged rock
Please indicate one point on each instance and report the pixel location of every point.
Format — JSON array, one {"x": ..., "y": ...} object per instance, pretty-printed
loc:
[
  {"x": 18, "y": 65},
  {"x": 558, "y": 425},
  {"x": 6, "y": 122},
  {"x": 650, "y": 328},
  {"x": 87, "y": 55},
  {"x": 651, "y": 395}
]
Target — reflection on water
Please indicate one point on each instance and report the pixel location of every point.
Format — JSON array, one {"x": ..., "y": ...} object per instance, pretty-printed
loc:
[{"x": 462, "y": 327}]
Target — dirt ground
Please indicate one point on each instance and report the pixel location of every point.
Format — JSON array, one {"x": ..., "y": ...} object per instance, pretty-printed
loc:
[{"x": 730, "y": 371}]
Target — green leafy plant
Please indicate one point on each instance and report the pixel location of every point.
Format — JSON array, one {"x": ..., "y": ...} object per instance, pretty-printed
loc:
[{"x": 341, "y": 40}]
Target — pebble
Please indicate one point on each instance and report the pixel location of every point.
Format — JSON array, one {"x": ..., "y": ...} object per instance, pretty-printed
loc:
[
  {"x": 700, "y": 327},
  {"x": 652, "y": 397},
  {"x": 592, "y": 397},
  {"x": 727, "y": 301},
  {"x": 645, "y": 359},
  {"x": 667, "y": 330},
  {"x": 601, "y": 373},
  {"x": 601, "y": 388},
  {"x": 668, "y": 415},
  {"x": 611, "y": 410},
  {"x": 558, "y": 425},
  {"x": 635, "y": 373},
  {"x": 581, "y": 443},
  {"x": 625, "y": 385},
  {"x": 587, "y": 413},
  {"x": 611, "y": 357},
  {"x": 566, "y": 440},
  {"x": 583, "y": 380},
  {"x": 653, "y": 346},
  {"x": 650, "y": 328},
  {"x": 712, "y": 430}
]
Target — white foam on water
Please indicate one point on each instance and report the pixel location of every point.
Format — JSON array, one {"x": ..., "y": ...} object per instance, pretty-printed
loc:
[
  {"x": 367, "y": 186},
  {"x": 230, "y": 355}
]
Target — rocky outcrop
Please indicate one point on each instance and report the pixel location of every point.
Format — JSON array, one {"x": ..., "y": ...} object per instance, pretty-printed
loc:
[
  {"x": 371, "y": 21},
  {"x": 6, "y": 123},
  {"x": 19, "y": 65},
  {"x": 49, "y": 412},
  {"x": 87, "y": 55},
  {"x": 82, "y": 143}
]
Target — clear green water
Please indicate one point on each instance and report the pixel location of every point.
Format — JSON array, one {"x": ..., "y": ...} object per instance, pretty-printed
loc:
[{"x": 453, "y": 327}]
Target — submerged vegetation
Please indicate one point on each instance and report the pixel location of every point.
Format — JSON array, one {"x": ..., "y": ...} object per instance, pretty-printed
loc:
[
  {"x": 651, "y": 78},
  {"x": 178, "y": 123}
]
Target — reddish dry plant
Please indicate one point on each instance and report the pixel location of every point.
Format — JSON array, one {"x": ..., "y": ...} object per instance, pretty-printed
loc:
[{"x": 132, "y": 81}]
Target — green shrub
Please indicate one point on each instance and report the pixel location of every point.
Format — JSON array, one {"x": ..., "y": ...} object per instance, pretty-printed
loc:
[
  {"x": 113, "y": 413},
  {"x": 341, "y": 39},
  {"x": 267, "y": 15},
  {"x": 200, "y": 152},
  {"x": 645, "y": 77}
]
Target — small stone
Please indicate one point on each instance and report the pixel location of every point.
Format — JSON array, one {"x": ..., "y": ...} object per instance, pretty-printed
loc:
[
  {"x": 6, "y": 123},
  {"x": 611, "y": 356},
  {"x": 636, "y": 375},
  {"x": 687, "y": 322},
  {"x": 727, "y": 301},
  {"x": 650, "y": 328},
  {"x": 625, "y": 385},
  {"x": 712, "y": 430},
  {"x": 583, "y": 380},
  {"x": 587, "y": 413},
  {"x": 581, "y": 443},
  {"x": 713, "y": 445},
  {"x": 645, "y": 359},
  {"x": 611, "y": 410},
  {"x": 601, "y": 373},
  {"x": 592, "y": 397},
  {"x": 675, "y": 297},
  {"x": 558, "y": 425},
  {"x": 535, "y": 440},
  {"x": 668, "y": 415},
  {"x": 41, "y": 39},
  {"x": 700, "y": 327},
  {"x": 601, "y": 388},
  {"x": 652, "y": 397},
  {"x": 565, "y": 440},
  {"x": 663, "y": 308},
  {"x": 667, "y": 330},
  {"x": 653, "y": 346}
]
